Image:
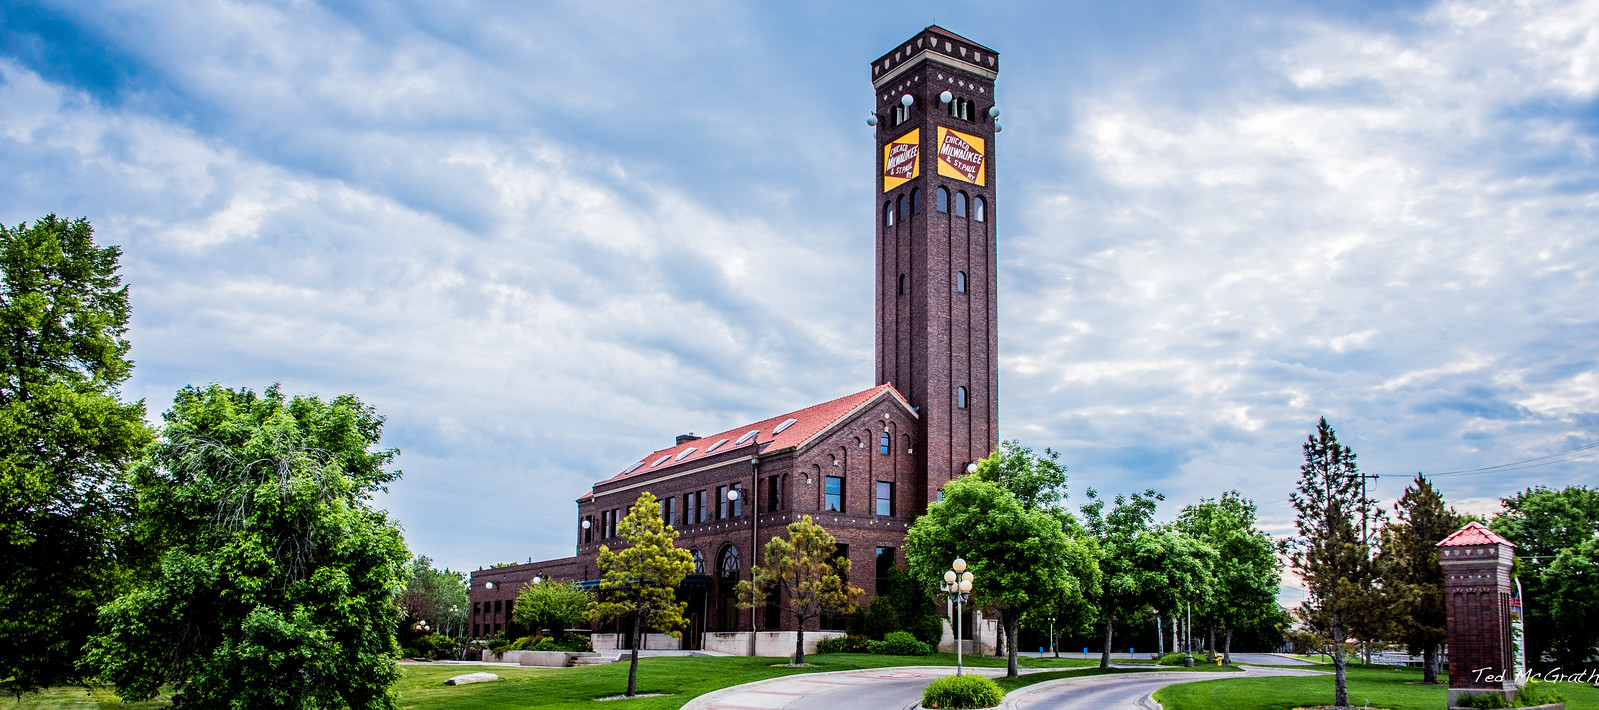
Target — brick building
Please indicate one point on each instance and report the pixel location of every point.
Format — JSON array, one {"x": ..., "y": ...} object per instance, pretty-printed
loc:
[{"x": 866, "y": 464}]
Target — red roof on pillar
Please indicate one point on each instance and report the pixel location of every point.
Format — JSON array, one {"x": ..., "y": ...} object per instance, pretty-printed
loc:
[{"x": 1474, "y": 533}]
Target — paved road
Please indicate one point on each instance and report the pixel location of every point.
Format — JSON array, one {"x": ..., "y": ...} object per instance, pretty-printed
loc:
[
  {"x": 900, "y": 688},
  {"x": 1129, "y": 691},
  {"x": 1271, "y": 659},
  {"x": 872, "y": 689}
]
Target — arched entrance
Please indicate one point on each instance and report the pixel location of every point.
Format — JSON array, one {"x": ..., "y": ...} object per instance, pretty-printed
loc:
[{"x": 727, "y": 564}]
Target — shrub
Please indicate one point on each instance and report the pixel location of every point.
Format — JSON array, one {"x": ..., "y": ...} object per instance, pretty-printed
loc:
[
  {"x": 966, "y": 691},
  {"x": 569, "y": 642},
  {"x": 900, "y": 643},
  {"x": 409, "y": 652},
  {"x": 1537, "y": 693},
  {"x": 1482, "y": 700},
  {"x": 836, "y": 644},
  {"x": 1172, "y": 659}
]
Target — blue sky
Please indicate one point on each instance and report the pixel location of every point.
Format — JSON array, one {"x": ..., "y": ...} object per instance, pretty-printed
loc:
[{"x": 545, "y": 238}]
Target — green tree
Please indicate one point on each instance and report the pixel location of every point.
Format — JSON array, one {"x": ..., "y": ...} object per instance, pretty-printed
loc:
[
  {"x": 1330, "y": 553},
  {"x": 1020, "y": 559},
  {"x": 552, "y": 604},
  {"x": 1412, "y": 578},
  {"x": 1037, "y": 481},
  {"x": 66, "y": 441},
  {"x": 275, "y": 586},
  {"x": 436, "y": 596},
  {"x": 1247, "y": 573},
  {"x": 1571, "y": 584},
  {"x": 639, "y": 584},
  {"x": 1544, "y": 523},
  {"x": 808, "y": 576},
  {"x": 1144, "y": 565}
]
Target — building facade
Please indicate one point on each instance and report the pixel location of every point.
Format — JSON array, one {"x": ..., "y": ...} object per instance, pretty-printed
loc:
[{"x": 863, "y": 466}]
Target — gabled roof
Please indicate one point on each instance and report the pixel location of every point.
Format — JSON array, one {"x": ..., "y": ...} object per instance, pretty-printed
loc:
[
  {"x": 1474, "y": 533},
  {"x": 769, "y": 435}
]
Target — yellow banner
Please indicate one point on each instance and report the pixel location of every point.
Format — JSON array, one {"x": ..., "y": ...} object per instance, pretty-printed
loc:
[
  {"x": 901, "y": 161},
  {"x": 961, "y": 156}
]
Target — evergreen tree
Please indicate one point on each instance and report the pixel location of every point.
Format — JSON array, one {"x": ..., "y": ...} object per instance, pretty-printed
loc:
[
  {"x": 66, "y": 441},
  {"x": 1412, "y": 578},
  {"x": 639, "y": 584},
  {"x": 1330, "y": 554}
]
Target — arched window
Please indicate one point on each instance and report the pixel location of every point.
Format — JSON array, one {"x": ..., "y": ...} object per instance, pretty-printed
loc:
[
  {"x": 888, "y": 214},
  {"x": 960, "y": 204},
  {"x": 960, "y": 397},
  {"x": 727, "y": 562},
  {"x": 883, "y": 442},
  {"x": 942, "y": 200},
  {"x": 960, "y": 282},
  {"x": 916, "y": 201},
  {"x": 902, "y": 285},
  {"x": 699, "y": 563},
  {"x": 979, "y": 209},
  {"x": 901, "y": 208}
]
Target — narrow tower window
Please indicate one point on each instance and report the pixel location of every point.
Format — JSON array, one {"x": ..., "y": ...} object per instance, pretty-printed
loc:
[
  {"x": 916, "y": 201},
  {"x": 901, "y": 207},
  {"x": 960, "y": 282},
  {"x": 888, "y": 214},
  {"x": 960, "y": 204},
  {"x": 942, "y": 203},
  {"x": 979, "y": 209},
  {"x": 902, "y": 285},
  {"x": 960, "y": 397},
  {"x": 883, "y": 442}
]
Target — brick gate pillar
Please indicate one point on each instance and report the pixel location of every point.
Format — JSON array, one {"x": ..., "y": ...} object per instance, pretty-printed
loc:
[{"x": 1477, "y": 599}]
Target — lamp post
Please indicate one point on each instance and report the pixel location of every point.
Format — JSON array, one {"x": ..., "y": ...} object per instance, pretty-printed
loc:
[
  {"x": 1188, "y": 638},
  {"x": 958, "y": 585}
]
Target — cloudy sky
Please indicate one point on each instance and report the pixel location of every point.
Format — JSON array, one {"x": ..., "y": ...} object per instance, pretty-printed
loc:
[{"x": 544, "y": 238}]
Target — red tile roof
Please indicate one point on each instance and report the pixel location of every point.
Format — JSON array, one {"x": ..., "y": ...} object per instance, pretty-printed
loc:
[
  {"x": 1474, "y": 533},
  {"x": 808, "y": 422}
]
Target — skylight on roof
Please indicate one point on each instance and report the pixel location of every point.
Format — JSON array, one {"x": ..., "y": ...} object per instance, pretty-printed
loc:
[
  {"x": 660, "y": 460},
  {"x": 715, "y": 446},
  {"x": 634, "y": 467},
  {"x": 685, "y": 453},
  {"x": 786, "y": 424},
  {"x": 747, "y": 436}
]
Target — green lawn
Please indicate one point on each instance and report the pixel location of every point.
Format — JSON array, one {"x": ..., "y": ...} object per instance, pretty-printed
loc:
[
  {"x": 75, "y": 697},
  {"x": 1381, "y": 686}
]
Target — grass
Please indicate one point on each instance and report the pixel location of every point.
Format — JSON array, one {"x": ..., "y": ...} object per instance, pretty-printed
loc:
[
  {"x": 421, "y": 687},
  {"x": 1395, "y": 688},
  {"x": 91, "y": 698}
]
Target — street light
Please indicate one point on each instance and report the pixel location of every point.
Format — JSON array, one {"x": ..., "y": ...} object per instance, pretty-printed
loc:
[
  {"x": 958, "y": 585},
  {"x": 1188, "y": 638}
]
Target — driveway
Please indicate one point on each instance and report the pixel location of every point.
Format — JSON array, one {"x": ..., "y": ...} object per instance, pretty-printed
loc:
[
  {"x": 900, "y": 688},
  {"x": 871, "y": 689},
  {"x": 1130, "y": 691}
]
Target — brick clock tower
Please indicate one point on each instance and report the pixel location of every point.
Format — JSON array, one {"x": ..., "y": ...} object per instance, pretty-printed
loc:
[{"x": 936, "y": 211}]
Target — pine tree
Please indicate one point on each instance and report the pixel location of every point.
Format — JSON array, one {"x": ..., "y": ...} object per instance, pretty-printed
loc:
[
  {"x": 1330, "y": 553},
  {"x": 1412, "y": 577}
]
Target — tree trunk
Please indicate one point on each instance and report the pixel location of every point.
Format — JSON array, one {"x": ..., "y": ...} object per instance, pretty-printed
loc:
[
  {"x": 1013, "y": 623},
  {"x": 1210, "y": 643},
  {"x": 1000, "y": 641},
  {"x": 1176, "y": 622},
  {"x": 632, "y": 669},
  {"x": 1104, "y": 653},
  {"x": 799, "y": 642},
  {"x": 1429, "y": 664},
  {"x": 1227, "y": 647},
  {"x": 1340, "y": 677}
]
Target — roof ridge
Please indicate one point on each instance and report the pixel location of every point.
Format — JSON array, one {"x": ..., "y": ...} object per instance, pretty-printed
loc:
[{"x": 1474, "y": 533}]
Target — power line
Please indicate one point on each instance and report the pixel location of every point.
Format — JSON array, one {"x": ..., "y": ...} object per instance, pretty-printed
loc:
[{"x": 1572, "y": 454}]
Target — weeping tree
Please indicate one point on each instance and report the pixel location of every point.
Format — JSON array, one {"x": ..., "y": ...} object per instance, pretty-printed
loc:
[
  {"x": 276, "y": 578},
  {"x": 638, "y": 584}
]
